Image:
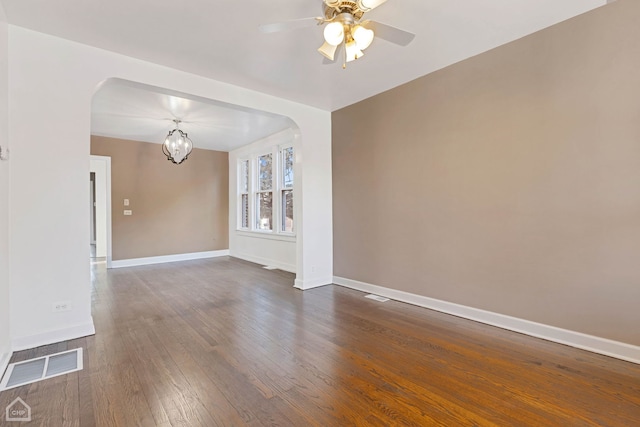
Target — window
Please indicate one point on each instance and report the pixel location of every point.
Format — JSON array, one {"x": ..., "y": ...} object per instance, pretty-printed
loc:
[
  {"x": 286, "y": 196},
  {"x": 264, "y": 195},
  {"x": 244, "y": 194},
  {"x": 265, "y": 192}
]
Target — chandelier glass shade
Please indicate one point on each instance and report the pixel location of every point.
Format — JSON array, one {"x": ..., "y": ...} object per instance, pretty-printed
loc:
[{"x": 177, "y": 145}]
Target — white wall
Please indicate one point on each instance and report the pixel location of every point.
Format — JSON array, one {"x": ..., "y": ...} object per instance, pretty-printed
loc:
[
  {"x": 5, "y": 339},
  {"x": 51, "y": 83},
  {"x": 274, "y": 250}
]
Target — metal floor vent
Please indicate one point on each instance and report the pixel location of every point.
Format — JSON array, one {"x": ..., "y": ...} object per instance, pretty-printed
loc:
[
  {"x": 42, "y": 368},
  {"x": 377, "y": 298}
]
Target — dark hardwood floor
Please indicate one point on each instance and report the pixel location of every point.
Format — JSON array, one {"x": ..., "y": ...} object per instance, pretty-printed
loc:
[{"x": 225, "y": 342}]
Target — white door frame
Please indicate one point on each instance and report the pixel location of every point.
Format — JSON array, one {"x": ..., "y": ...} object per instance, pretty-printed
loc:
[
  {"x": 92, "y": 208},
  {"x": 101, "y": 166}
]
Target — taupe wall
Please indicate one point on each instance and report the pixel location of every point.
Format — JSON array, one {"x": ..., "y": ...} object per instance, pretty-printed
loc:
[
  {"x": 176, "y": 208},
  {"x": 508, "y": 182}
]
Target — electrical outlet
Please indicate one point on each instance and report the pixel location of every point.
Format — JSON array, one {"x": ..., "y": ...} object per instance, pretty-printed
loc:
[
  {"x": 128, "y": 212},
  {"x": 61, "y": 306}
]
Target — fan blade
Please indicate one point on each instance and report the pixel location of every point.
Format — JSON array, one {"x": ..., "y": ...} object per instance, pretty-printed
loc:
[
  {"x": 389, "y": 33},
  {"x": 290, "y": 25},
  {"x": 367, "y": 5}
]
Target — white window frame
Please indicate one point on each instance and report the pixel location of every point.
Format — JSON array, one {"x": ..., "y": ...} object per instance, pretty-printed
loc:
[
  {"x": 277, "y": 187},
  {"x": 257, "y": 191},
  {"x": 282, "y": 188},
  {"x": 241, "y": 192}
]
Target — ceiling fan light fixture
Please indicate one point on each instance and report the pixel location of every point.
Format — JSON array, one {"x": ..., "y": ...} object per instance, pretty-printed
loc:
[
  {"x": 177, "y": 146},
  {"x": 334, "y": 33},
  {"x": 328, "y": 51},
  {"x": 363, "y": 36},
  {"x": 346, "y": 30},
  {"x": 352, "y": 51}
]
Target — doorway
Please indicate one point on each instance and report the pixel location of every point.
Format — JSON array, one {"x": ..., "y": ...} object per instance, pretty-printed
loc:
[
  {"x": 92, "y": 215},
  {"x": 100, "y": 211}
]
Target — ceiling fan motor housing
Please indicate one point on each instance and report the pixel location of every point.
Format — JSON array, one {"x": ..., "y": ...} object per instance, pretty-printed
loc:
[{"x": 335, "y": 8}]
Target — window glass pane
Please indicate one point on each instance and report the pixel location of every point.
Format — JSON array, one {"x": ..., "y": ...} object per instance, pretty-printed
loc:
[
  {"x": 265, "y": 209},
  {"x": 265, "y": 175},
  {"x": 287, "y": 211},
  {"x": 287, "y": 167},
  {"x": 245, "y": 211},
  {"x": 244, "y": 176}
]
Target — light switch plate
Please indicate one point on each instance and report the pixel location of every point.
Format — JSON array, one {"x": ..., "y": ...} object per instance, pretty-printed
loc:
[{"x": 126, "y": 202}]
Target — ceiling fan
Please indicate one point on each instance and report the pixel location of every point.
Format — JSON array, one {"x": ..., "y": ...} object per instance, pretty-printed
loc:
[{"x": 346, "y": 32}]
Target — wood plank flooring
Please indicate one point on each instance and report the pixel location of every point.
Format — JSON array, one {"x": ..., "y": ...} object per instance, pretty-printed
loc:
[{"x": 224, "y": 342}]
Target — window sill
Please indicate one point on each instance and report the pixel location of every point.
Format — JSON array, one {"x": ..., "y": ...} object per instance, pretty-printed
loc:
[{"x": 267, "y": 235}]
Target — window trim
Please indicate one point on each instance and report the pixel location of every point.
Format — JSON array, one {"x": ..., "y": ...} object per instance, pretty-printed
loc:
[
  {"x": 277, "y": 188},
  {"x": 281, "y": 188},
  {"x": 257, "y": 191},
  {"x": 239, "y": 210}
]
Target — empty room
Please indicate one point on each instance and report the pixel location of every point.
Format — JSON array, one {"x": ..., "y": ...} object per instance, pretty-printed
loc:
[{"x": 320, "y": 213}]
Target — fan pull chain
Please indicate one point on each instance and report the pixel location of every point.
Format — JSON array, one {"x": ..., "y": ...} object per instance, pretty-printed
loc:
[{"x": 344, "y": 51}]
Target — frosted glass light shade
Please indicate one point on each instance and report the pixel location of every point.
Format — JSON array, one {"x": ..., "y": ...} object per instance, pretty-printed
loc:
[
  {"x": 334, "y": 33},
  {"x": 328, "y": 51},
  {"x": 353, "y": 52},
  {"x": 362, "y": 36},
  {"x": 177, "y": 146}
]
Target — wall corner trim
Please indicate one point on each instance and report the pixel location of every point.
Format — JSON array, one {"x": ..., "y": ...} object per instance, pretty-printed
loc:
[
  {"x": 604, "y": 346},
  {"x": 51, "y": 337},
  {"x": 305, "y": 285},
  {"x": 133, "y": 262}
]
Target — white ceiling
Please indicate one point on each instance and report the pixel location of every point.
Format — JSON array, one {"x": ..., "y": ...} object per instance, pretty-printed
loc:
[
  {"x": 220, "y": 40},
  {"x": 127, "y": 110}
]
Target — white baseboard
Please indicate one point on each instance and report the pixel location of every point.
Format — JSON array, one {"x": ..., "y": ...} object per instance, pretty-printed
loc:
[
  {"x": 312, "y": 283},
  {"x": 4, "y": 362},
  {"x": 291, "y": 268},
  {"x": 619, "y": 350},
  {"x": 133, "y": 262},
  {"x": 51, "y": 337}
]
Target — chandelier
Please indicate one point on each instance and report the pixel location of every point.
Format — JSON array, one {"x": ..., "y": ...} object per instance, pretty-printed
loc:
[{"x": 177, "y": 145}]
